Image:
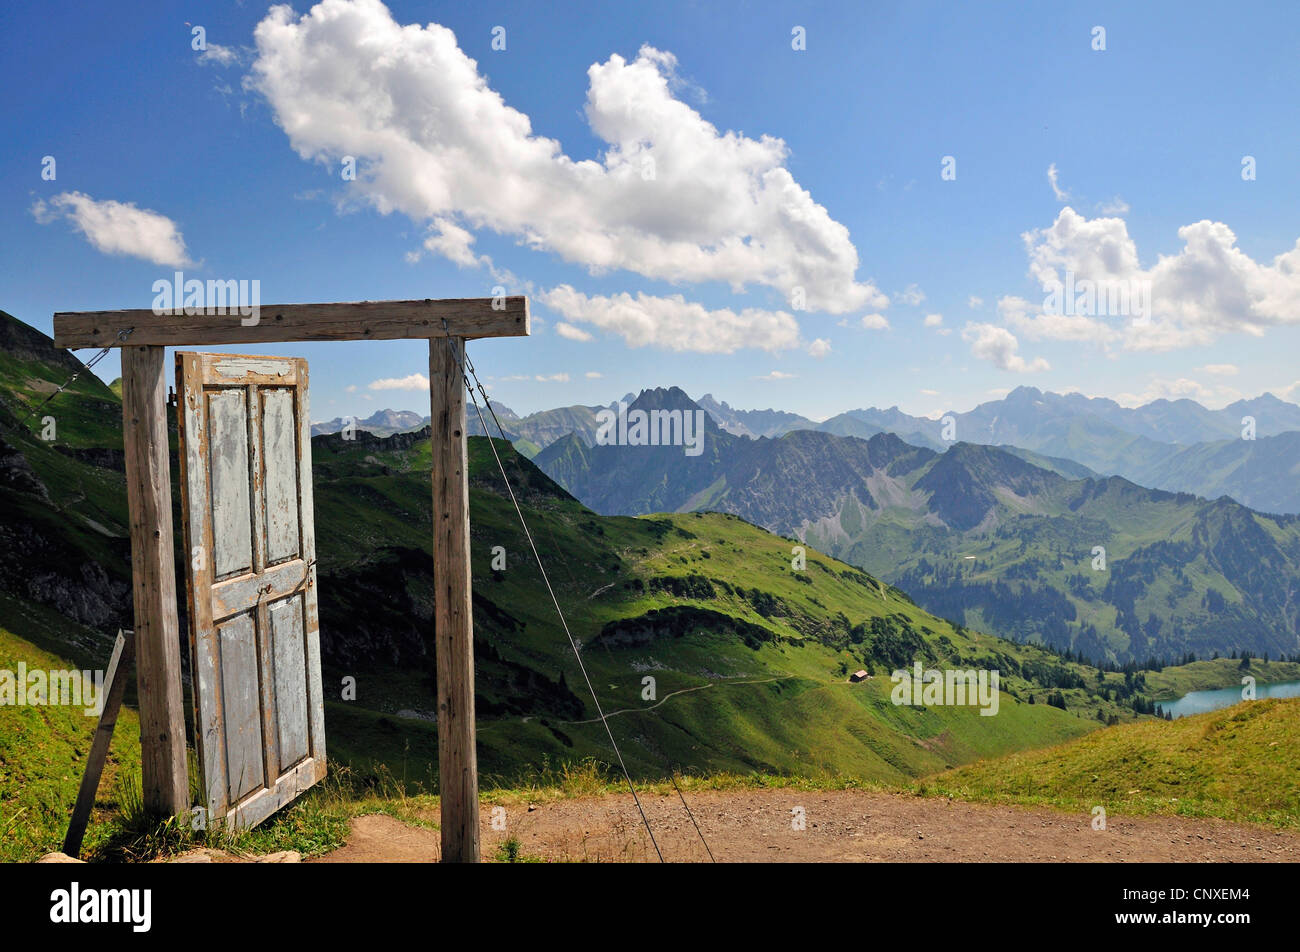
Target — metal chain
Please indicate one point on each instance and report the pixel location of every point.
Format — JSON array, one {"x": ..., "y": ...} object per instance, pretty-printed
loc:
[{"x": 122, "y": 335}]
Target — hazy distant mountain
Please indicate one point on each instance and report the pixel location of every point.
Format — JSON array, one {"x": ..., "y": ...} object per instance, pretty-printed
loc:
[
  {"x": 856, "y": 423},
  {"x": 1034, "y": 419},
  {"x": 979, "y": 534},
  {"x": 531, "y": 433},
  {"x": 1263, "y": 474},
  {"x": 754, "y": 423},
  {"x": 380, "y": 423},
  {"x": 1177, "y": 445}
]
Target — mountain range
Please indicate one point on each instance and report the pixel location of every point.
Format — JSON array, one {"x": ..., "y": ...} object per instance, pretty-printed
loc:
[
  {"x": 1176, "y": 445},
  {"x": 380, "y": 423},
  {"x": 1248, "y": 450},
  {"x": 980, "y": 534}
]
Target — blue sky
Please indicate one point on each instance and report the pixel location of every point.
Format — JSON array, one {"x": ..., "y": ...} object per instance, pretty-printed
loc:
[{"x": 238, "y": 150}]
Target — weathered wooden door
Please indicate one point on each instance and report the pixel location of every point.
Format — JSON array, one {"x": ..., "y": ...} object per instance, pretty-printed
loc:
[{"x": 254, "y": 633}]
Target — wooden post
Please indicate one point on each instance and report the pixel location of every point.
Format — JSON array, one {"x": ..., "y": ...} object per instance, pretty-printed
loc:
[
  {"x": 111, "y": 700},
  {"x": 453, "y": 613},
  {"x": 164, "y": 780}
]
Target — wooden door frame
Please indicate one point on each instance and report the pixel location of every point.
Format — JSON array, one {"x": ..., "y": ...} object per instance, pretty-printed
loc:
[{"x": 143, "y": 336}]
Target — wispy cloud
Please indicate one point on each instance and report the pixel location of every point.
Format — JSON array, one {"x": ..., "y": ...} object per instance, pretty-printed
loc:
[
  {"x": 674, "y": 323},
  {"x": 214, "y": 54},
  {"x": 416, "y": 381},
  {"x": 1157, "y": 388},
  {"x": 910, "y": 295},
  {"x": 1052, "y": 176},
  {"x": 570, "y": 332}
]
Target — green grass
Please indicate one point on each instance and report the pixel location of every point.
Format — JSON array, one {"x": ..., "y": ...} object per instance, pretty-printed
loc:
[
  {"x": 42, "y": 757},
  {"x": 1240, "y": 763}
]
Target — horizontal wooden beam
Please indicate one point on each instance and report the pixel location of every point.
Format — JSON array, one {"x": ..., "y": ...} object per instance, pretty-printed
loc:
[{"x": 363, "y": 320}]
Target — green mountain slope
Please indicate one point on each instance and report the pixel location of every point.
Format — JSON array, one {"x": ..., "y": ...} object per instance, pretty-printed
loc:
[
  {"x": 750, "y": 658},
  {"x": 1239, "y": 763},
  {"x": 62, "y": 502},
  {"x": 749, "y": 655}
]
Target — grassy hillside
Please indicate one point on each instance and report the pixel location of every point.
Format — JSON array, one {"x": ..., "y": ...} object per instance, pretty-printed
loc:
[
  {"x": 1239, "y": 763},
  {"x": 43, "y": 749},
  {"x": 750, "y": 658}
]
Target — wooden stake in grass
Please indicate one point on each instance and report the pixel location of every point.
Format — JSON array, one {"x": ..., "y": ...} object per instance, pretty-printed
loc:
[{"x": 114, "y": 688}]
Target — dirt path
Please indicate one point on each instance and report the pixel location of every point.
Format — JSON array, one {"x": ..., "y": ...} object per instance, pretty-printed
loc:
[
  {"x": 666, "y": 697},
  {"x": 840, "y": 826}
]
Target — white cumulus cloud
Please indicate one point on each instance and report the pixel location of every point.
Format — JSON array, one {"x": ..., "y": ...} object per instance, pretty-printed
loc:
[
  {"x": 435, "y": 142},
  {"x": 118, "y": 228},
  {"x": 1207, "y": 288},
  {"x": 1028, "y": 320},
  {"x": 999, "y": 347}
]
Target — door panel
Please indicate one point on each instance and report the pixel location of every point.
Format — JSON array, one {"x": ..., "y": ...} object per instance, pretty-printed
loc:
[
  {"x": 290, "y": 658},
  {"x": 251, "y": 581},
  {"x": 231, "y": 507},
  {"x": 281, "y": 475},
  {"x": 243, "y": 715}
]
